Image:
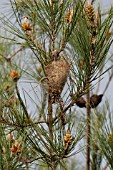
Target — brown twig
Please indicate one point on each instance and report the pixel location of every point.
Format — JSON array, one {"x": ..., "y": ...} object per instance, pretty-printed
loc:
[
  {"x": 62, "y": 46},
  {"x": 88, "y": 131},
  {"x": 24, "y": 160},
  {"x": 50, "y": 126},
  {"x": 30, "y": 161},
  {"x": 62, "y": 116},
  {"x": 53, "y": 35},
  {"x": 16, "y": 52},
  {"x": 88, "y": 82},
  {"x": 50, "y": 119},
  {"x": 11, "y": 56}
]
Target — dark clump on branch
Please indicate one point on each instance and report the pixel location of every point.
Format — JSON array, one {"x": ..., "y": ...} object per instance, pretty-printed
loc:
[
  {"x": 95, "y": 100},
  {"x": 81, "y": 102},
  {"x": 57, "y": 72}
]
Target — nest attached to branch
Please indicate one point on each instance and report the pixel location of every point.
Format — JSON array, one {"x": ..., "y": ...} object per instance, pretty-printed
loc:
[{"x": 56, "y": 73}]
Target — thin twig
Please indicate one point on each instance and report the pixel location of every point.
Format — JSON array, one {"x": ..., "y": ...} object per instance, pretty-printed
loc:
[
  {"x": 16, "y": 52},
  {"x": 30, "y": 161},
  {"x": 62, "y": 46},
  {"x": 50, "y": 119},
  {"x": 50, "y": 126},
  {"x": 88, "y": 131},
  {"x": 11, "y": 56},
  {"x": 88, "y": 108},
  {"x": 53, "y": 35},
  {"x": 23, "y": 160},
  {"x": 62, "y": 116}
]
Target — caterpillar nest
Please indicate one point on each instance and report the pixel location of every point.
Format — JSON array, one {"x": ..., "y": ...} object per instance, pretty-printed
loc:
[{"x": 56, "y": 72}]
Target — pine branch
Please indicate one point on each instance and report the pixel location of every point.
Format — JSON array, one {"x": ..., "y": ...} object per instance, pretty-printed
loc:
[
  {"x": 50, "y": 119},
  {"x": 32, "y": 160},
  {"x": 50, "y": 126},
  {"x": 62, "y": 116},
  {"x": 88, "y": 130},
  {"x": 53, "y": 31}
]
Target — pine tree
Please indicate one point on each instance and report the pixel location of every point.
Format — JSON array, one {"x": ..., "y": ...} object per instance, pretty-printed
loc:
[{"x": 53, "y": 55}]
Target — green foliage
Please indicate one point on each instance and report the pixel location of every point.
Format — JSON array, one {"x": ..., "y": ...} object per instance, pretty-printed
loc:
[
  {"x": 105, "y": 134},
  {"x": 44, "y": 123}
]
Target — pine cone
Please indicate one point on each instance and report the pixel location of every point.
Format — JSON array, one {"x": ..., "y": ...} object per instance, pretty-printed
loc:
[
  {"x": 95, "y": 100},
  {"x": 26, "y": 26},
  {"x": 81, "y": 102},
  {"x": 90, "y": 12}
]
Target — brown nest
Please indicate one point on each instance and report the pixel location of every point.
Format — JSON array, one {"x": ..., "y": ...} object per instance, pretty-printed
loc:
[{"x": 57, "y": 72}]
